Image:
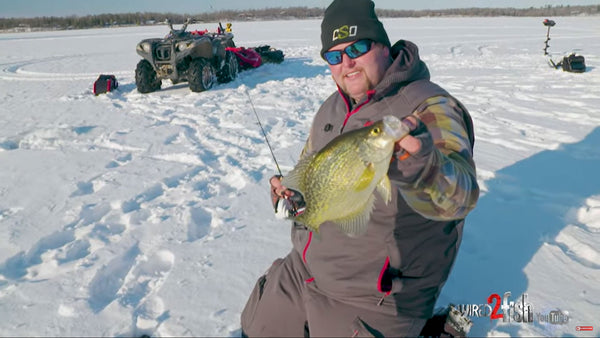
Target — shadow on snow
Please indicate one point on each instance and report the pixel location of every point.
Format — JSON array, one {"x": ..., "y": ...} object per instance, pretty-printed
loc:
[{"x": 524, "y": 207}]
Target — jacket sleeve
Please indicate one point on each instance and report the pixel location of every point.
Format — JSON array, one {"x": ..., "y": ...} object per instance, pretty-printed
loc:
[{"x": 439, "y": 182}]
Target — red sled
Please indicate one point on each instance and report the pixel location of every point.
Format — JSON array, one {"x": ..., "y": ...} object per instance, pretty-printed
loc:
[
  {"x": 247, "y": 57},
  {"x": 105, "y": 83}
]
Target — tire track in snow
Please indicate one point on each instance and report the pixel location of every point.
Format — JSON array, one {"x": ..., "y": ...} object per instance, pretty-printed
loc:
[{"x": 18, "y": 71}]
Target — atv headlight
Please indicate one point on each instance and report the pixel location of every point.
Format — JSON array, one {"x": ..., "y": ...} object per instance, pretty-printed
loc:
[
  {"x": 181, "y": 46},
  {"x": 144, "y": 47}
]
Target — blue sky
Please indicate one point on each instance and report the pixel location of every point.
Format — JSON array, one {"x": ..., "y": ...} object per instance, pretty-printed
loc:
[{"x": 32, "y": 8}]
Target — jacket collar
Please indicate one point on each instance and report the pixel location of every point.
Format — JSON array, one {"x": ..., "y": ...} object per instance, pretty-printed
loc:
[{"x": 406, "y": 67}]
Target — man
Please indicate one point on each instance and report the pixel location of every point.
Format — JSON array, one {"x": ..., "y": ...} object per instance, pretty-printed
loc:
[{"x": 385, "y": 282}]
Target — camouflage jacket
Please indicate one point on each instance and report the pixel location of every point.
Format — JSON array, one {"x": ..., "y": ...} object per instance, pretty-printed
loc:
[{"x": 411, "y": 243}]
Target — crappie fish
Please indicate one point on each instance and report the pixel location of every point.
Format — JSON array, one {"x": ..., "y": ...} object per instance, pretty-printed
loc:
[{"x": 338, "y": 182}]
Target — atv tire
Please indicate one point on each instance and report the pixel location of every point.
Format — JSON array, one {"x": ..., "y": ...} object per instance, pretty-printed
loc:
[
  {"x": 230, "y": 69},
  {"x": 145, "y": 77},
  {"x": 201, "y": 75}
]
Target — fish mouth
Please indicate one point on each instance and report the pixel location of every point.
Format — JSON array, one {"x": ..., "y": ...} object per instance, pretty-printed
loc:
[{"x": 394, "y": 127}]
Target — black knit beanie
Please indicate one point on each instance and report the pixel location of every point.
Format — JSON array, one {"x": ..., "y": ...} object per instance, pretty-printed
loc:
[{"x": 351, "y": 20}]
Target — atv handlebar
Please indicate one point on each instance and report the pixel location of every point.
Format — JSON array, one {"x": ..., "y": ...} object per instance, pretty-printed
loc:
[{"x": 178, "y": 32}]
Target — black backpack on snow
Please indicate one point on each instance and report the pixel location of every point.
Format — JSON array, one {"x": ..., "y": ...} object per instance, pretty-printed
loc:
[
  {"x": 573, "y": 63},
  {"x": 105, "y": 83},
  {"x": 269, "y": 54}
]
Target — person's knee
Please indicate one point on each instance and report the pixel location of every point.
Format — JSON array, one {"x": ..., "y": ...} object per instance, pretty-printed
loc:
[{"x": 275, "y": 306}]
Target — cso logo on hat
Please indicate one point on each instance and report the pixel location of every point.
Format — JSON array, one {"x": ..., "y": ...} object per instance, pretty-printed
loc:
[{"x": 344, "y": 32}]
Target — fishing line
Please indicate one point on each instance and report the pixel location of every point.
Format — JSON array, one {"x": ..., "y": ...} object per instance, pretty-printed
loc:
[
  {"x": 264, "y": 134},
  {"x": 287, "y": 206}
]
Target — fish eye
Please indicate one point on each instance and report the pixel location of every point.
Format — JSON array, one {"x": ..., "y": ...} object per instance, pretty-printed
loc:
[{"x": 376, "y": 131}]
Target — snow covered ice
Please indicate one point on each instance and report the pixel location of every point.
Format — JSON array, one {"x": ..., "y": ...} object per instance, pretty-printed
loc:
[{"x": 127, "y": 214}]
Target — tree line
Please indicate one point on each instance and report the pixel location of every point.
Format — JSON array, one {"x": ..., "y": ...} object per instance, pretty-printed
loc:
[{"x": 149, "y": 18}]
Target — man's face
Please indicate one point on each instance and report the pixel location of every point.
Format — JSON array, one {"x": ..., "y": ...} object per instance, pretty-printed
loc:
[{"x": 356, "y": 76}]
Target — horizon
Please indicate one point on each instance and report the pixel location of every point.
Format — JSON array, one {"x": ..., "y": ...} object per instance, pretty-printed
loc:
[{"x": 65, "y": 8}]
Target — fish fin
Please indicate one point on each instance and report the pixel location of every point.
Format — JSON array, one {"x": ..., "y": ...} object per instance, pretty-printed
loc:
[
  {"x": 365, "y": 178},
  {"x": 294, "y": 178},
  {"x": 384, "y": 187},
  {"x": 356, "y": 224}
]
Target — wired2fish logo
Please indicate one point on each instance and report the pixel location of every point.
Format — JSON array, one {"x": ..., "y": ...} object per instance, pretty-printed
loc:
[
  {"x": 344, "y": 32},
  {"x": 501, "y": 308},
  {"x": 520, "y": 311}
]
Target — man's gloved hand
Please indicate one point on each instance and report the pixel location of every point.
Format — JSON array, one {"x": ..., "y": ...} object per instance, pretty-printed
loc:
[
  {"x": 412, "y": 151},
  {"x": 288, "y": 203},
  {"x": 417, "y": 141}
]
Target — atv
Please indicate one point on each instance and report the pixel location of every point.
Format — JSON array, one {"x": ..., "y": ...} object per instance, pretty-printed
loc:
[{"x": 198, "y": 57}]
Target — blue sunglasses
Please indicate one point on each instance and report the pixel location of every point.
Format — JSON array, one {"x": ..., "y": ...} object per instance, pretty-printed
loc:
[{"x": 359, "y": 48}]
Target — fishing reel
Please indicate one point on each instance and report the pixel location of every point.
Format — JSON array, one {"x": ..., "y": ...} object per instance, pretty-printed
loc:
[{"x": 290, "y": 206}]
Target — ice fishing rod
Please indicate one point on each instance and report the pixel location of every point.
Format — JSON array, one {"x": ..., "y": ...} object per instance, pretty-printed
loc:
[
  {"x": 287, "y": 206},
  {"x": 264, "y": 133}
]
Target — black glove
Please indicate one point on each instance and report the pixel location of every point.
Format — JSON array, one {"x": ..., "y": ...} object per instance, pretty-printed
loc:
[{"x": 409, "y": 166}]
